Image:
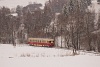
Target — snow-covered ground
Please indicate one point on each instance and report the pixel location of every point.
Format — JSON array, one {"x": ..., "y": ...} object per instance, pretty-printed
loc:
[{"x": 29, "y": 56}]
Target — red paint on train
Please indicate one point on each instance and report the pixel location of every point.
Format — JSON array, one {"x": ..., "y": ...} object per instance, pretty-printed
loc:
[{"x": 42, "y": 44}]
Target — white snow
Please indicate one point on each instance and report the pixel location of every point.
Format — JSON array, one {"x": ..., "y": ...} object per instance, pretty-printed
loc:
[
  {"x": 14, "y": 14},
  {"x": 14, "y": 3},
  {"x": 29, "y": 56}
]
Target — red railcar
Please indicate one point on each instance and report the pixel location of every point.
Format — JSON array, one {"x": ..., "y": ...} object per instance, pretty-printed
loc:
[{"x": 41, "y": 42}]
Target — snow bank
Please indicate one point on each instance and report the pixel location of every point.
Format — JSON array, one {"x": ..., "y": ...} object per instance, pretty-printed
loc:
[
  {"x": 30, "y": 51},
  {"x": 29, "y": 56}
]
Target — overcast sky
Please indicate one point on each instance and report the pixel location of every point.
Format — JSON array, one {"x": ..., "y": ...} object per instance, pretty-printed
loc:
[{"x": 14, "y": 3}]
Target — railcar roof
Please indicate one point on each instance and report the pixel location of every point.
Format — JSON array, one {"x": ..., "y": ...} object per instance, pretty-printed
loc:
[{"x": 41, "y": 38}]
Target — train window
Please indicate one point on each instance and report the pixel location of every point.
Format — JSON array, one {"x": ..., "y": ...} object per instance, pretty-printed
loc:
[
  {"x": 52, "y": 41},
  {"x": 49, "y": 41},
  {"x": 43, "y": 41},
  {"x": 35, "y": 40},
  {"x": 40, "y": 41}
]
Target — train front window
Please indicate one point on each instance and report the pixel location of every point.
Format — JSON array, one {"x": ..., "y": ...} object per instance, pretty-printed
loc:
[
  {"x": 49, "y": 41},
  {"x": 52, "y": 41}
]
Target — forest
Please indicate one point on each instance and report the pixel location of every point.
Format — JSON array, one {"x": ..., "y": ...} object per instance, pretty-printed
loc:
[{"x": 72, "y": 19}]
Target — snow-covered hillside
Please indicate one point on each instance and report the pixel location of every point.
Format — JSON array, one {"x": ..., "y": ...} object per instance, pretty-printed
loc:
[{"x": 29, "y": 56}]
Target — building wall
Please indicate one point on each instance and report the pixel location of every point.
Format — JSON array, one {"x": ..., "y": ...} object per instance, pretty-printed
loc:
[{"x": 60, "y": 41}]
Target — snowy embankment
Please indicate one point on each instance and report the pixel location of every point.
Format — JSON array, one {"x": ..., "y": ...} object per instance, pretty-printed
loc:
[
  {"x": 30, "y": 51},
  {"x": 29, "y": 56}
]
